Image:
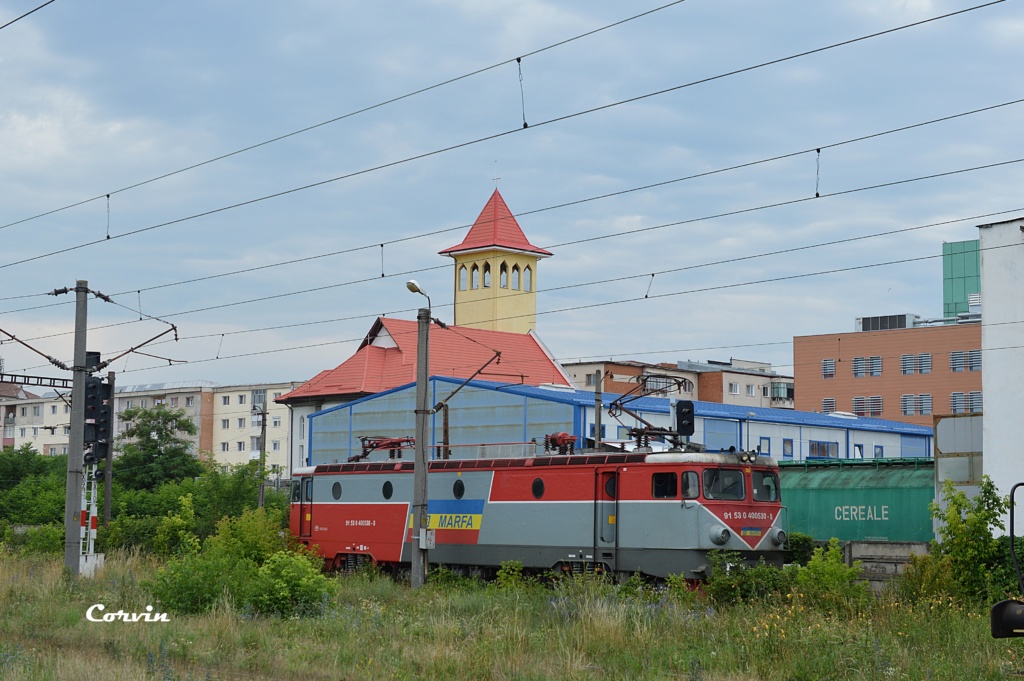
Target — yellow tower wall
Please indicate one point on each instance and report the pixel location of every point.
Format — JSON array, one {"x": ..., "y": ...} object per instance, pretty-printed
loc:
[{"x": 495, "y": 307}]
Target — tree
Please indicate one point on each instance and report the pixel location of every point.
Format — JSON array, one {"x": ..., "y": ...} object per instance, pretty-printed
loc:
[{"x": 152, "y": 449}]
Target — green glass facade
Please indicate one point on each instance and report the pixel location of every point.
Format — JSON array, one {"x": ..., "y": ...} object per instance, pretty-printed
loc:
[{"x": 961, "y": 275}]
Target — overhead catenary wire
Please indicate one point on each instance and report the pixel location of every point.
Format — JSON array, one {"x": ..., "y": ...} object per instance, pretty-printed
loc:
[
  {"x": 31, "y": 11},
  {"x": 336, "y": 118},
  {"x": 633, "y": 299},
  {"x": 498, "y": 135}
]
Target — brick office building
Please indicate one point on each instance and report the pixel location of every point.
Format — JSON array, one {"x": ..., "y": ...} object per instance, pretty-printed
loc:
[{"x": 903, "y": 374}]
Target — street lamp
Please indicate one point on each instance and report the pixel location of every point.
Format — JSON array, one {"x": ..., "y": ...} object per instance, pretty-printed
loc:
[
  {"x": 419, "y": 493},
  {"x": 262, "y": 413}
]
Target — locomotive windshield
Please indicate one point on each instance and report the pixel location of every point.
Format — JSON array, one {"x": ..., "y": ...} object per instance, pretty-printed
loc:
[
  {"x": 766, "y": 486},
  {"x": 723, "y": 483}
]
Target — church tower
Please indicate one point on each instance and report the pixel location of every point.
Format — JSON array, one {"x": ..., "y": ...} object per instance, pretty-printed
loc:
[{"x": 496, "y": 273}]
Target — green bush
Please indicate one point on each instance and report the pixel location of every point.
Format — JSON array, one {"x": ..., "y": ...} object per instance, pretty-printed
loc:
[
  {"x": 966, "y": 539},
  {"x": 733, "y": 580},
  {"x": 924, "y": 577},
  {"x": 510, "y": 575},
  {"x": 254, "y": 535},
  {"x": 801, "y": 548},
  {"x": 828, "y": 584},
  {"x": 42, "y": 539},
  {"x": 194, "y": 584},
  {"x": 290, "y": 584},
  {"x": 175, "y": 534}
]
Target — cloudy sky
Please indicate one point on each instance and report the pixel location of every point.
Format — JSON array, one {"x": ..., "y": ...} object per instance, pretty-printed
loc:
[{"x": 422, "y": 106}]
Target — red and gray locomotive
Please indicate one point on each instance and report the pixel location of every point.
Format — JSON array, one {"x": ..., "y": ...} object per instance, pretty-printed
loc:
[{"x": 653, "y": 513}]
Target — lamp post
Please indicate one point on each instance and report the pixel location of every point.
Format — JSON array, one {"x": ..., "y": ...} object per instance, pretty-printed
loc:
[
  {"x": 262, "y": 413},
  {"x": 419, "y": 493}
]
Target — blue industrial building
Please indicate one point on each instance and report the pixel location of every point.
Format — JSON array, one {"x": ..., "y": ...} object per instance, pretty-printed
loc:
[{"x": 500, "y": 420}]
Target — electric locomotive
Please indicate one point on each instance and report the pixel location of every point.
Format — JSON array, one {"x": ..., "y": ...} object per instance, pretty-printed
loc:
[{"x": 653, "y": 513}]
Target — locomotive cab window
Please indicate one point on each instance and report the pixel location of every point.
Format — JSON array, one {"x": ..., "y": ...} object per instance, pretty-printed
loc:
[
  {"x": 307, "y": 489},
  {"x": 664, "y": 486},
  {"x": 296, "y": 491},
  {"x": 723, "y": 483},
  {"x": 766, "y": 486},
  {"x": 691, "y": 485}
]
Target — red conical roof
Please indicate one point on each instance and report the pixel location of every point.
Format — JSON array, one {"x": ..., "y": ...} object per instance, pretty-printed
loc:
[{"x": 496, "y": 228}]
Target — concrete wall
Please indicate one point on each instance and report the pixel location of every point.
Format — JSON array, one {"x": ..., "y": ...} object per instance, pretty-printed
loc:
[{"x": 1002, "y": 304}]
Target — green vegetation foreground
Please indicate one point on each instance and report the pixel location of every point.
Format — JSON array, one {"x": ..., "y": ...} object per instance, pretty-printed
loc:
[{"x": 585, "y": 628}]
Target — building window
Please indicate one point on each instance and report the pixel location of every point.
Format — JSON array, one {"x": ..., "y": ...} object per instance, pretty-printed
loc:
[
  {"x": 879, "y": 452},
  {"x": 787, "y": 449},
  {"x": 957, "y": 404},
  {"x": 67, "y": 430},
  {"x": 53, "y": 408},
  {"x": 924, "y": 363},
  {"x": 255, "y": 444},
  {"x": 276, "y": 395},
  {"x": 67, "y": 408},
  {"x": 750, "y": 390},
  {"x": 907, "y": 405},
  {"x": 225, "y": 400},
  {"x": 734, "y": 388},
  {"x": 225, "y": 424},
  {"x": 859, "y": 366},
  {"x": 224, "y": 447},
  {"x": 604, "y": 428},
  {"x": 275, "y": 446},
  {"x": 503, "y": 276},
  {"x": 859, "y": 406},
  {"x": 875, "y": 366},
  {"x": 974, "y": 360},
  {"x": 974, "y": 402},
  {"x": 240, "y": 445},
  {"x": 924, "y": 404},
  {"x": 190, "y": 401},
  {"x": 259, "y": 397},
  {"x": 908, "y": 364},
  {"x": 37, "y": 410},
  {"x": 241, "y": 399},
  {"x": 515, "y": 277},
  {"x": 818, "y": 448},
  {"x": 474, "y": 277},
  {"x": 24, "y": 411},
  {"x": 174, "y": 401},
  {"x": 957, "y": 361},
  {"x": 588, "y": 379},
  {"x": 462, "y": 278},
  {"x": 622, "y": 432},
  {"x": 828, "y": 368},
  {"x": 22, "y": 432},
  {"x": 828, "y": 405},
  {"x": 241, "y": 422},
  {"x": 527, "y": 279},
  {"x": 35, "y": 432},
  {"x": 766, "y": 446},
  {"x": 875, "y": 406},
  {"x": 275, "y": 421},
  {"x": 487, "y": 275}
]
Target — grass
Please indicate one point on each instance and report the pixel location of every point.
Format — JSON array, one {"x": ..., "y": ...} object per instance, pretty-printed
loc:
[{"x": 377, "y": 629}]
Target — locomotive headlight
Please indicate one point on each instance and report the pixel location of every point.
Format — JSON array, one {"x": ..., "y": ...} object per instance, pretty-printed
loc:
[
  {"x": 720, "y": 535},
  {"x": 779, "y": 537}
]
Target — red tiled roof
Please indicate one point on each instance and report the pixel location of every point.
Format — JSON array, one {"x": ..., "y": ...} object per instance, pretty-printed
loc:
[
  {"x": 496, "y": 226},
  {"x": 386, "y": 359}
]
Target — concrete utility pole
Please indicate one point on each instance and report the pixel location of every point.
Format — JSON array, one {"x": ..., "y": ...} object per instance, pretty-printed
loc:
[
  {"x": 76, "y": 446},
  {"x": 262, "y": 413},
  {"x": 420, "y": 518}
]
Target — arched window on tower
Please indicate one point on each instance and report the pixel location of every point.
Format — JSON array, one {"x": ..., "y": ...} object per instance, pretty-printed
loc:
[
  {"x": 503, "y": 276},
  {"x": 487, "y": 275},
  {"x": 475, "y": 277},
  {"x": 462, "y": 278},
  {"x": 527, "y": 279},
  {"x": 515, "y": 277}
]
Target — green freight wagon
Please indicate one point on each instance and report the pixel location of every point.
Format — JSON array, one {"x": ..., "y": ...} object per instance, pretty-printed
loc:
[{"x": 869, "y": 500}]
